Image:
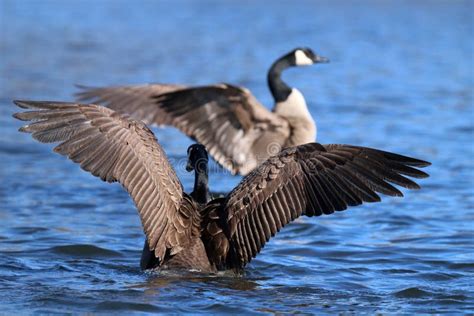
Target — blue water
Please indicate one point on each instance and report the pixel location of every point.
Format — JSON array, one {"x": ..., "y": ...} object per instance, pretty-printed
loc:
[{"x": 400, "y": 79}]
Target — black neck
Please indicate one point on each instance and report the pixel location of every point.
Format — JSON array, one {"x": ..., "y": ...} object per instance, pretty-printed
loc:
[
  {"x": 279, "y": 89},
  {"x": 201, "y": 189}
]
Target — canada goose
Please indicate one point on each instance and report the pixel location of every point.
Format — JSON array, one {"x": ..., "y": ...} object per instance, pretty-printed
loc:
[
  {"x": 237, "y": 130},
  {"x": 224, "y": 233}
]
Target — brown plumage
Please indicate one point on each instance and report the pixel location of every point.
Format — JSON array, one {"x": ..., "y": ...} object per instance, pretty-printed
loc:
[
  {"x": 237, "y": 130},
  {"x": 225, "y": 233}
]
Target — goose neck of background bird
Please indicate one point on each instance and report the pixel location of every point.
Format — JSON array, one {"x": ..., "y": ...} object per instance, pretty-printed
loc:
[
  {"x": 280, "y": 90},
  {"x": 201, "y": 188}
]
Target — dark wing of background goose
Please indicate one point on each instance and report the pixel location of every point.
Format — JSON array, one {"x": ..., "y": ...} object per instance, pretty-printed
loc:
[
  {"x": 121, "y": 150},
  {"x": 311, "y": 180},
  {"x": 135, "y": 100},
  {"x": 238, "y": 132}
]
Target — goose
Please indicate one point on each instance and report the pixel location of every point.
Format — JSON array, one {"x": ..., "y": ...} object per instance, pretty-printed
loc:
[
  {"x": 237, "y": 130},
  {"x": 196, "y": 232}
]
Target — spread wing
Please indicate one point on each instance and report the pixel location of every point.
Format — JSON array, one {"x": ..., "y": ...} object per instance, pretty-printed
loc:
[
  {"x": 236, "y": 129},
  {"x": 311, "y": 180},
  {"x": 135, "y": 100},
  {"x": 115, "y": 148}
]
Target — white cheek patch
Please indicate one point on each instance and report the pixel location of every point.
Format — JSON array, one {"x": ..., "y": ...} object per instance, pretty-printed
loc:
[{"x": 302, "y": 59}]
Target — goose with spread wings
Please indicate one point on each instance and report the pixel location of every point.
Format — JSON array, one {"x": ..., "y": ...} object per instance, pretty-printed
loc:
[
  {"x": 237, "y": 130},
  {"x": 197, "y": 232}
]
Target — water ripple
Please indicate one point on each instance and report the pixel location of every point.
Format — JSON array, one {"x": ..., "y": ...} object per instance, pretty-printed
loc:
[
  {"x": 398, "y": 80},
  {"x": 84, "y": 251}
]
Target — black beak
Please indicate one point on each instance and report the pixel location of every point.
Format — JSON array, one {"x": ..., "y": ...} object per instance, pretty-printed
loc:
[
  {"x": 320, "y": 59},
  {"x": 189, "y": 166}
]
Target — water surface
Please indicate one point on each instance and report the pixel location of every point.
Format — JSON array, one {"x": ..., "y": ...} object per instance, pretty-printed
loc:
[{"x": 400, "y": 79}]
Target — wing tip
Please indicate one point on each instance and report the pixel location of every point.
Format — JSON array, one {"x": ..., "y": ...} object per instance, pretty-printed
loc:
[
  {"x": 393, "y": 191},
  {"x": 82, "y": 86},
  {"x": 420, "y": 163},
  {"x": 410, "y": 161},
  {"x": 45, "y": 105},
  {"x": 59, "y": 149},
  {"x": 19, "y": 116},
  {"x": 377, "y": 198},
  {"x": 24, "y": 104},
  {"x": 420, "y": 175},
  {"x": 24, "y": 129},
  {"x": 412, "y": 185}
]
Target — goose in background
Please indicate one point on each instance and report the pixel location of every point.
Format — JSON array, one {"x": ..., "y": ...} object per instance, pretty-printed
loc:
[
  {"x": 192, "y": 231},
  {"x": 237, "y": 130}
]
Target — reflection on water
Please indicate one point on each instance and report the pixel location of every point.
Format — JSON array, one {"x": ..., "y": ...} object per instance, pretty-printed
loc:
[
  {"x": 226, "y": 279},
  {"x": 400, "y": 79}
]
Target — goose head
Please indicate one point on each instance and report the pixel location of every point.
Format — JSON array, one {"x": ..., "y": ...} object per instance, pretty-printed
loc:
[
  {"x": 300, "y": 56},
  {"x": 197, "y": 158},
  {"x": 304, "y": 56}
]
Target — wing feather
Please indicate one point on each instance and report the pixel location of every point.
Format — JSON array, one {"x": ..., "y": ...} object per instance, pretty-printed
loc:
[
  {"x": 310, "y": 180},
  {"x": 116, "y": 149},
  {"x": 226, "y": 119}
]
